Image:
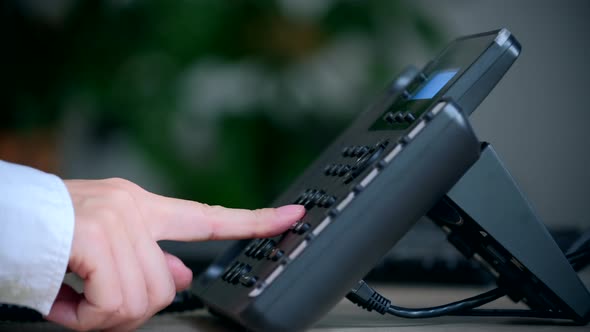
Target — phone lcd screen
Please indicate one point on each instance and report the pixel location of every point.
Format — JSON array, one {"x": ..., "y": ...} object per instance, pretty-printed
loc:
[{"x": 437, "y": 81}]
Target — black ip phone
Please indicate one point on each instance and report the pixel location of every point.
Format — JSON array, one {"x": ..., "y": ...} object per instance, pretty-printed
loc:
[{"x": 412, "y": 153}]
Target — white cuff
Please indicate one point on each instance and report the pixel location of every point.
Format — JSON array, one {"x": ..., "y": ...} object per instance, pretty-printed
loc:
[{"x": 36, "y": 231}]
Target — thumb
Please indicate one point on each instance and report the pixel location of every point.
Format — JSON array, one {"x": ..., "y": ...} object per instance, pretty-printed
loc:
[{"x": 181, "y": 274}]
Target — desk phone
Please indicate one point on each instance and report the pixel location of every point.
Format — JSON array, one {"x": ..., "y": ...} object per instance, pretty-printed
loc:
[{"x": 410, "y": 154}]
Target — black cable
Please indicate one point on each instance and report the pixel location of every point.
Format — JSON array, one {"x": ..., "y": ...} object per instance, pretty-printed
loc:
[
  {"x": 447, "y": 309},
  {"x": 366, "y": 297}
]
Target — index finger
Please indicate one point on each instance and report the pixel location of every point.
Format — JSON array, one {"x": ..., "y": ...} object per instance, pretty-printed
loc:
[{"x": 183, "y": 220}]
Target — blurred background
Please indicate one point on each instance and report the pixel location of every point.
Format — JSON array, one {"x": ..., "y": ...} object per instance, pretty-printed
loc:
[
  {"x": 218, "y": 101},
  {"x": 225, "y": 102}
]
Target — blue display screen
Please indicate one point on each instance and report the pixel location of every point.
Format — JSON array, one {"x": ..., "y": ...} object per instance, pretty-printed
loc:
[{"x": 437, "y": 81}]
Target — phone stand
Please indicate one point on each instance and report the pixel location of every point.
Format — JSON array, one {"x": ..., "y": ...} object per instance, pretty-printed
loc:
[{"x": 488, "y": 218}]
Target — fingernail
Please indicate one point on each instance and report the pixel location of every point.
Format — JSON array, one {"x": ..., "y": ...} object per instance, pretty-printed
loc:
[{"x": 290, "y": 210}]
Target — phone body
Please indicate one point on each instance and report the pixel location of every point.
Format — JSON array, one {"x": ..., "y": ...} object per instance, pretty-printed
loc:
[{"x": 364, "y": 192}]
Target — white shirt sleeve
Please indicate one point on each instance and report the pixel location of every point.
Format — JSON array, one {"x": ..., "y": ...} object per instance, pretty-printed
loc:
[{"x": 36, "y": 231}]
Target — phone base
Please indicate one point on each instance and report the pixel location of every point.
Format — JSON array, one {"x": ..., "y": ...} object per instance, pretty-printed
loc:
[{"x": 487, "y": 217}]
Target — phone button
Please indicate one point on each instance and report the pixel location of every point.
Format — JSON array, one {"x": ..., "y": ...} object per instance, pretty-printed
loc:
[
  {"x": 248, "y": 280},
  {"x": 409, "y": 117}
]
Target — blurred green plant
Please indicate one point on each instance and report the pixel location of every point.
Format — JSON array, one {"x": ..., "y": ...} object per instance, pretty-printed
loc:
[{"x": 228, "y": 99}]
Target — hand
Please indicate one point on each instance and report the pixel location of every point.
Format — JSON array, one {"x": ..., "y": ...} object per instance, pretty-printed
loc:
[{"x": 127, "y": 277}]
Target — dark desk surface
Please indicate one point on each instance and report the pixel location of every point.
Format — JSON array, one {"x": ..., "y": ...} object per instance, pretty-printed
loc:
[{"x": 347, "y": 317}]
